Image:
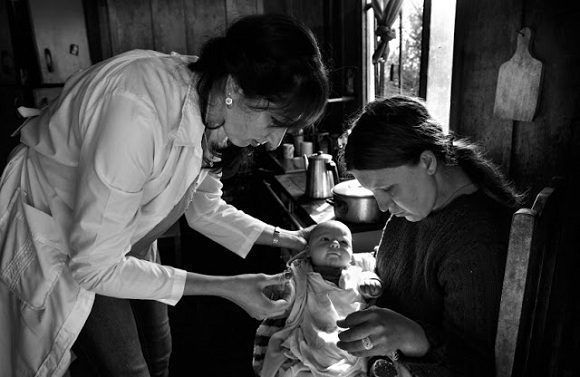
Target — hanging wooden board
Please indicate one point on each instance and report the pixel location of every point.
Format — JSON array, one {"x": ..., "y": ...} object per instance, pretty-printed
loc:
[{"x": 518, "y": 83}]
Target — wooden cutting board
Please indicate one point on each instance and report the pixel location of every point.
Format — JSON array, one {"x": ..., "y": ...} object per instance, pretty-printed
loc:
[{"x": 518, "y": 83}]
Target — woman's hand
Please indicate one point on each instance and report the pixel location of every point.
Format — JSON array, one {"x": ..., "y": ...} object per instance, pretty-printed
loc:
[
  {"x": 387, "y": 330},
  {"x": 251, "y": 292},
  {"x": 295, "y": 239},
  {"x": 286, "y": 239}
]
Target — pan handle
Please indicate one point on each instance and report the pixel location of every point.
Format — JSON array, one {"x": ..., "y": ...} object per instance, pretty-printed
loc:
[
  {"x": 340, "y": 206},
  {"x": 48, "y": 60},
  {"x": 333, "y": 168}
]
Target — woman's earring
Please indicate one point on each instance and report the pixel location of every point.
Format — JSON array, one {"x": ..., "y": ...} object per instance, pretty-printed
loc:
[{"x": 229, "y": 101}]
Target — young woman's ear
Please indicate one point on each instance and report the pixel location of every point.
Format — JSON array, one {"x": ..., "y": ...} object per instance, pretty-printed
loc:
[{"x": 428, "y": 161}]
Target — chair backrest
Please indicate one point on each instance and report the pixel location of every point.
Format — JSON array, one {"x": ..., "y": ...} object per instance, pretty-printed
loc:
[{"x": 529, "y": 273}]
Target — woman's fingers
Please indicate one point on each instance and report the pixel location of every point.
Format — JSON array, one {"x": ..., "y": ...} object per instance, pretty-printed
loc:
[
  {"x": 278, "y": 290},
  {"x": 363, "y": 335},
  {"x": 356, "y": 333},
  {"x": 300, "y": 238},
  {"x": 357, "y": 339},
  {"x": 253, "y": 293},
  {"x": 280, "y": 280},
  {"x": 356, "y": 318},
  {"x": 278, "y": 308}
]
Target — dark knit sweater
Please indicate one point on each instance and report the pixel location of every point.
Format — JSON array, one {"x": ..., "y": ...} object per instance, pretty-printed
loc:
[{"x": 445, "y": 272}]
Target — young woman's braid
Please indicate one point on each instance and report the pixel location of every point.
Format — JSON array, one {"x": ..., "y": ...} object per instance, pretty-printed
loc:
[{"x": 485, "y": 173}]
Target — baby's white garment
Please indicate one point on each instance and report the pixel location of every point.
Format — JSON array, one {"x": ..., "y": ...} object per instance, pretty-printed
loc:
[{"x": 306, "y": 346}]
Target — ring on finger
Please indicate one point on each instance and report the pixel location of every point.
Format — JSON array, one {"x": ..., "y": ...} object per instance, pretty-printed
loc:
[{"x": 367, "y": 343}]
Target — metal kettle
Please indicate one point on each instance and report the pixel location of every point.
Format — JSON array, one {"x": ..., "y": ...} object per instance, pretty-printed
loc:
[{"x": 321, "y": 175}]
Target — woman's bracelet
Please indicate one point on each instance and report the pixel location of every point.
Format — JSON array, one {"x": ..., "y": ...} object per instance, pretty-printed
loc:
[{"x": 276, "y": 237}]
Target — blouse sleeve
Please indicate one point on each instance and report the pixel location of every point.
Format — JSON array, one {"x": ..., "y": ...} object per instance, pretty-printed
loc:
[
  {"x": 116, "y": 159},
  {"x": 209, "y": 214}
]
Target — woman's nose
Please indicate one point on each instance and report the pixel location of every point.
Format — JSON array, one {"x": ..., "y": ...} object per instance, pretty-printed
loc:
[
  {"x": 384, "y": 201},
  {"x": 275, "y": 138}
]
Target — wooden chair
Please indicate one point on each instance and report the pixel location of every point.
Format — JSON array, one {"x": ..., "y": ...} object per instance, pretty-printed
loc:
[{"x": 529, "y": 274}]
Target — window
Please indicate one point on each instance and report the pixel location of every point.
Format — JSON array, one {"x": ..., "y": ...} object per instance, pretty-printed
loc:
[{"x": 420, "y": 55}]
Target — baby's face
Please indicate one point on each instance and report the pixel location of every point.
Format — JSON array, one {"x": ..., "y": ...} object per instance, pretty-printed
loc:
[{"x": 331, "y": 245}]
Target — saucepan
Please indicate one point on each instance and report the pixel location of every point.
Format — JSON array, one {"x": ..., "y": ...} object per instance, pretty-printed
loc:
[{"x": 354, "y": 203}]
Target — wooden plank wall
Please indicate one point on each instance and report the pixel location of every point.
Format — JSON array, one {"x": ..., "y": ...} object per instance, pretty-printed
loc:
[
  {"x": 168, "y": 25},
  {"x": 485, "y": 35},
  {"x": 184, "y": 25},
  {"x": 530, "y": 152}
]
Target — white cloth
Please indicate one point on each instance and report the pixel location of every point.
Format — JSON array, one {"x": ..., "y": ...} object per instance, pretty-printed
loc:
[
  {"x": 306, "y": 346},
  {"x": 99, "y": 168}
]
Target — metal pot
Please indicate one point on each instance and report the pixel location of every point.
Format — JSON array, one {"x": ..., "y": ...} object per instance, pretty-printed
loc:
[{"x": 354, "y": 203}]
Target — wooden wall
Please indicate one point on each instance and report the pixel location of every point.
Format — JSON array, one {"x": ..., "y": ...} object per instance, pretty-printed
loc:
[
  {"x": 530, "y": 152},
  {"x": 162, "y": 25},
  {"x": 115, "y": 26},
  {"x": 184, "y": 25}
]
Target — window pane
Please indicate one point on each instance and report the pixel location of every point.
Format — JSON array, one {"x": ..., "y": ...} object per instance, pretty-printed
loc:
[{"x": 400, "y": 74}]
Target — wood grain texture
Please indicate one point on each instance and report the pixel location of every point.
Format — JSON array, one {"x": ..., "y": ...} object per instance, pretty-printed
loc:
[
  {"x": 518, "y": 82},
  {"x": 514, "y": 286},
  {"x": 550, "y": 145},
  {"x": 534, "y": 151},
  {"x": 8, "y": 73},
  {"x": 480, "y": 47},
  {"x": 312, "y": 14},
  {"x": 277, "y": 6},
  {"x": 58, "y": 25},
  {"x": 528, "y": 295},
  {"x": 169, "y": 25},
  {"x": 205, "y": 19},
  {"x": 130, "y": 25},
  {"x": 240, "y": 8}
]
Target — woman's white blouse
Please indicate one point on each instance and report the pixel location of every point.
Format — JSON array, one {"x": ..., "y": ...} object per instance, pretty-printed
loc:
[{"x": 117, "y": 152}]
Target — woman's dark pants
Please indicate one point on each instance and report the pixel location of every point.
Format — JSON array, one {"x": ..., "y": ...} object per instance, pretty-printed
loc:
[{"x": 122, "y": 337}]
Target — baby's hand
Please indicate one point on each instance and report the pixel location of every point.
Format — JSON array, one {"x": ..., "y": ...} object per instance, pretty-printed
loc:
[{"x": 371, "y": 288}]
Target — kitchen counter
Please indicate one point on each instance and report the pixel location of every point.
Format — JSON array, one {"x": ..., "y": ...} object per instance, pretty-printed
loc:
[{"x": 289, "y": 192}]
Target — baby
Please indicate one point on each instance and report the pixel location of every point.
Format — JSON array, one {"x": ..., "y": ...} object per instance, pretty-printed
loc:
[{"x": 329, "y": 282}]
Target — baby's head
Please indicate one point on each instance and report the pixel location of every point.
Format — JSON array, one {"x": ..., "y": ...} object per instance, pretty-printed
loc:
[{"x": 330, "y": 245}]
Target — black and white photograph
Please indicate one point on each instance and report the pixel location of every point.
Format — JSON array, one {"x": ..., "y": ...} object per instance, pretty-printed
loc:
[{"x": 289, "y": 188}]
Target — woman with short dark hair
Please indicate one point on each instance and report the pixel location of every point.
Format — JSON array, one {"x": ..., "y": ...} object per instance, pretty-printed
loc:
[{"x": 130, "y": 145}]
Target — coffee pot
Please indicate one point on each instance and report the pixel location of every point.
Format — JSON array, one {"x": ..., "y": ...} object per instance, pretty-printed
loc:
[{"x": 321, "y": 175}]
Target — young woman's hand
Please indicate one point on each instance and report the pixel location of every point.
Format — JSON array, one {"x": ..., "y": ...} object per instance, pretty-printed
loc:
[{"x": 387, "y": 331}]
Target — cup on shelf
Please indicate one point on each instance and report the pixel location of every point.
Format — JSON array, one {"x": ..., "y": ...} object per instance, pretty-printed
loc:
[
  {"x": 288, "y": 151},
  {"x": 297, "y": 139},
  {"x": 306, "y": 148}
]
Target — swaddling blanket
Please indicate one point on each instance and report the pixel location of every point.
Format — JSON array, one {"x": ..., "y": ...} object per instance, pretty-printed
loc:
[{"x": 306, "y": 346}]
